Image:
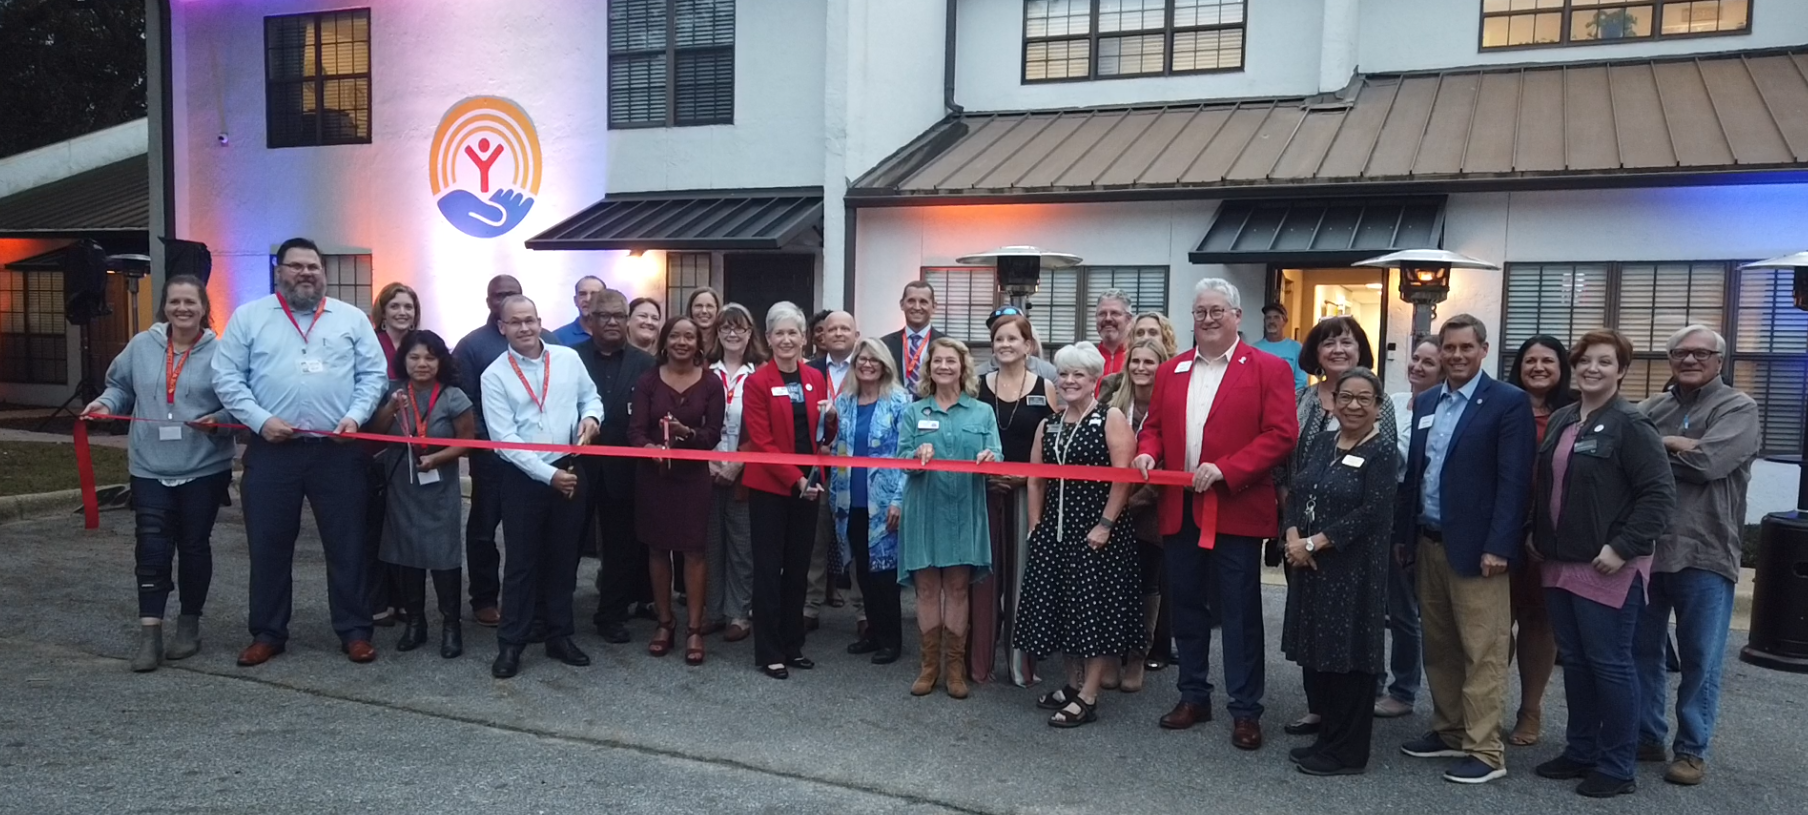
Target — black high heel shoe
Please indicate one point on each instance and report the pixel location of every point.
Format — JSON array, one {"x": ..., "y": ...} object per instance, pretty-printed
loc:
[{"x": 451, "y": 639}]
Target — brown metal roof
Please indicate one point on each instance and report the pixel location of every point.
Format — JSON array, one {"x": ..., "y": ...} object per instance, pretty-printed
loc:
[
  {"x": 113, "y": 198},
  {"x": 693, "y": 219},
  {"x": 1457, "y": 129}
]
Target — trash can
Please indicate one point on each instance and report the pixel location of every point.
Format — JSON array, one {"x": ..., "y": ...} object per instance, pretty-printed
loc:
[{"x": 1779, "y": 610}]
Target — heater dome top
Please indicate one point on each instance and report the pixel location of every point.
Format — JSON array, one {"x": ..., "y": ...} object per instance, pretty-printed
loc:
[{"x": 1047, "y": 260}]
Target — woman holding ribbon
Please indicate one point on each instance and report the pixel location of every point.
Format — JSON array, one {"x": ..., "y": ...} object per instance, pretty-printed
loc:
[
  {"x": 676, "y": 406},
  {"x": 180, "y": 466},
  {"x": 1145, "y": 358},
  {"x": 421, "y": 521},
  {"x": 944, "y": 542},
  {"x": 868, "y": 503},
  {"x": 1081, "y": 587},
  {"x": 728, "y": 546}
]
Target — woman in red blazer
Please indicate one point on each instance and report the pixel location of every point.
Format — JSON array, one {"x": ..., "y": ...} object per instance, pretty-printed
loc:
[{"x": 783, "y": 400}]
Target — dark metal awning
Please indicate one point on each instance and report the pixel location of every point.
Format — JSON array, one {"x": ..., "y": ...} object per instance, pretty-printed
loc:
[
  {"x": 1330, "y": 232},
  {"x": 695, "y": 219},
  {"x": 112, "y": 199}
]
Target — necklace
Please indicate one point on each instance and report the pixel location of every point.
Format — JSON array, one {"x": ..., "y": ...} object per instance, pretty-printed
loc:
[
  {"x": 1064, "y": 443},
  {"x": 998, "y": 396}
]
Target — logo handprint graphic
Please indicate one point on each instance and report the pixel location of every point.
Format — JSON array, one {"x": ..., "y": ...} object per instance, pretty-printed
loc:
[{"x": 482, "y": 143}]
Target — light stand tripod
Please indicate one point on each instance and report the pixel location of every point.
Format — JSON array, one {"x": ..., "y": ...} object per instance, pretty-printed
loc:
[{"x": 85, "y": 390}]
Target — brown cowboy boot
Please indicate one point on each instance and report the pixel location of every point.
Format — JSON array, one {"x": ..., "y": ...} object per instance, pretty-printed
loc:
[
  {"x": 955, "y": 648},
  {"x": 932, "y": 663}
]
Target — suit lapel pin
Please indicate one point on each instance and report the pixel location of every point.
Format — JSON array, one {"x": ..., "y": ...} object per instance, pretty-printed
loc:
[{"x": 1240, "y": 360}]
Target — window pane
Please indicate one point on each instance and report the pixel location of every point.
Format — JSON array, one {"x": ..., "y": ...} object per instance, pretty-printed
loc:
[
  {"x": 637, "y": 89},
  {"x": 1055, "y": 308},
  {"x": 1146, "y": 285},
  {"x": 1644, "y": 378},
  {"x": 1658, "y": 299},
  {"x": 1208, "y": 50},
  {"x": 1494, "y": 31},
  {"x": 1562, "y": 300},
  {"x": 685, "y": 272},
  {"x": 1207, "y": 12},
  {"x": 1057, "y": 18},
  {"x": 1132, "y": 15},
  {"x": 705, "y": 86},
  {"x": 1060, "y": 59},
  {"x": 1131, "y": 55},
  {"x": 1610, "y": 24},
  {"x": 965, "y": 297},
  {"x": 1768, "y": 320},
  {"x": 1780, "y": 387},
  {"x": 705, "y": 22},
  {"x": 1705, "y": 16},
  {"x": 636, "y": 25}
]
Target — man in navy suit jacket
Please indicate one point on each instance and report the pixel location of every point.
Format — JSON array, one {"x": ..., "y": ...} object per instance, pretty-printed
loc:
[{"x": 1461, "y": 515}]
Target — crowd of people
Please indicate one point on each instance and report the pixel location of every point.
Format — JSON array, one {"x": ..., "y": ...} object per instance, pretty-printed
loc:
[{"x": 1474, "y": 521}]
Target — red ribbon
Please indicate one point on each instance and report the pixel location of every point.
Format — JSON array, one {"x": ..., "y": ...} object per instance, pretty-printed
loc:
[{"x": 84, "y": 468}]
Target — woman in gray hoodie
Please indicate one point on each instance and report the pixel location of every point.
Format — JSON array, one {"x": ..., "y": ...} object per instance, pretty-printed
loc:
[{"x": 180, "y": 466}]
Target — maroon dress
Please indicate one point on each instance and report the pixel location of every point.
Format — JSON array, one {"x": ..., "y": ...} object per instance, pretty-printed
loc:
[{"x": 671, "y": 501}]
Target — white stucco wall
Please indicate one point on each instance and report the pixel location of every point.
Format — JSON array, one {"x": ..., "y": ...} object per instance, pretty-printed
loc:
[{"x": 1411, "y": 35}]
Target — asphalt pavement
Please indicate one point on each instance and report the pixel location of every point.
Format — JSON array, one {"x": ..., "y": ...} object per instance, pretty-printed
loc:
[{"x": 311, "y": 732}]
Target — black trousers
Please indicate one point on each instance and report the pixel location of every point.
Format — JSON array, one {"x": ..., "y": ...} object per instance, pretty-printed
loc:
[
  {"x": 482, "y": 559},
  {"x": 784, "y": 532},
  {"x": 173, "y": 521},
  {"x": 621, "y": 570},
  {"x": 540, "y": 528},
  {"x": 331, "y": 477},
  {"x": 1150, "y": 556},
  {"x": 1347, "y": 703},
  {"x": 411, "y": 584},
  {"x": 884, "y": 617}
]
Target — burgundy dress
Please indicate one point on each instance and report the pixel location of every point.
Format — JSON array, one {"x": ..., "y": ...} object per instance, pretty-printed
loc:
[{"x": 671, "y": 501}]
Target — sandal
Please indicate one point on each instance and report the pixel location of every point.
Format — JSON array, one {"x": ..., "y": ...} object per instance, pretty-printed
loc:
[
  {"x": 1057, "y": 699},
  {"x": 662, "y": 639},
  {"x": 693, "y": 654},
  {"x": 1075, "y": 713},
  {"x": 1526, "y": 731}
]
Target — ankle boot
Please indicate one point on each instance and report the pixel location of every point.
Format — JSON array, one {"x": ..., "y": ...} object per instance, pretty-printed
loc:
[
  {"x": 954, "y": 650},
  {"x": 150, "y": 648},
  {"x": 932, "y": 663},
  {"x": 451, "y": 639},
  {"x": 187, "y": 641},
  {"x": 414, "y": 632}
]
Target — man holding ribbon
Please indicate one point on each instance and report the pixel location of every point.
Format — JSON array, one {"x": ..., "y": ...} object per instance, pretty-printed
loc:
[
  {"x": 295, "y": 366},
  {"x": 1226, "y": 414},
  {"x": 539, "y": 394}
]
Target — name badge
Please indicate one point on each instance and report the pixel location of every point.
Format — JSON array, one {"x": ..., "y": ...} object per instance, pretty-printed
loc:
[
  {"x": 929, "y": 424},
  {"x": 169, "y": 432},
  {"x": 1183, "y": 367},
  {"x": 1586, "y": 446},
  {"x": 1354, "y": 461},
  {"x": 312, "y": 366},
  {"x": 779, "y": 390},
  {"x": 428, "y": 477},
  {"x": 1425, "y": 422},
  {"x": 1036, "y": 401}
]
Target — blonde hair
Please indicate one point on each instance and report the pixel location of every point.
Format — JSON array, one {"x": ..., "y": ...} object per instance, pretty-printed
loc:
[
  {"x": 888, "y": 368},
  {"x": 1171, "y": 343},
  {"x": 1124, "y": 398},
  {"x": 969, "y": 374},
  {"x": 382, "y": 304}
]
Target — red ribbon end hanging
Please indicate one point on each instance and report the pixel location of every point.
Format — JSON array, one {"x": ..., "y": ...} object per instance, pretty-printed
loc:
[{"x": 84, "y": 467}]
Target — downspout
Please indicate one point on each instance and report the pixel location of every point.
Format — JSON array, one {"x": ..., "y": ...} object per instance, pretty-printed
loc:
[
  {"x": 948, "y": 62},
  {"x": 165, "y": 145}
]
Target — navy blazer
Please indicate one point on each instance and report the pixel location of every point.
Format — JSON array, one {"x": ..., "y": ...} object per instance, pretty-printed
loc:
[{"x": 1487, "y": 477}]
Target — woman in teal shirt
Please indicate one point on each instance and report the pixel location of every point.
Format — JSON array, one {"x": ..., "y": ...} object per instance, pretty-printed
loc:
[{"x": 945, "y": 542}]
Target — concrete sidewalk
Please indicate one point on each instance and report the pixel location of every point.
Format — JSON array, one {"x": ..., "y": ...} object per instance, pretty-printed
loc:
[{"x": 311, "y": 732}]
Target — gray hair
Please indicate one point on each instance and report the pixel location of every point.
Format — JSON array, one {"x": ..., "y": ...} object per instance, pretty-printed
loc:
[
  {"x": 784, "y": 310},
  {"x": 1696, "y": 328},
  {"x": 1119, "y": 295},
  {"x": 1082, "y": 356},
  {"x": 1221, "y": 286}
]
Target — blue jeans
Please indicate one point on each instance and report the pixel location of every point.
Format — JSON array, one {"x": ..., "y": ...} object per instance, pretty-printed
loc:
[
  {"x": 174, "y": 521},
  {"x": 1234, "y": 566},
  {"x": 1703, "y": 602},
  {"x": 1594, "y": 643},
  {"x": 1407, "y": 658}
]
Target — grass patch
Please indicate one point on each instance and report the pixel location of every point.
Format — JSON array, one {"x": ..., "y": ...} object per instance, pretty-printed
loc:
[{"x": 32, "y": 467}]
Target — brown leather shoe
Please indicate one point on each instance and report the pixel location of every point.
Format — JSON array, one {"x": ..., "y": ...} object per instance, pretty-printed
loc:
[
  {"x": 1185, "y": 715},
  {"x": 488, "y": 616},
  {"x": 735, "y": 632},
  {"x": 259, "y": 653},
  {"x": 360, "y": 651},
  {"x": 1246, "y": 734}
]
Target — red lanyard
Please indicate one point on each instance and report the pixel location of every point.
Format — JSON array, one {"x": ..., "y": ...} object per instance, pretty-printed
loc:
[
  {"x": 420, "y": 419},
  {"x": 729, "y": 388},
  {"x": 834, "y": 385},
  {"x": 292, "y": 321},
  {"x": 172, "y": 371},
  {"x": 545, "y": 381},
  {"x": 911, "y": 359}
]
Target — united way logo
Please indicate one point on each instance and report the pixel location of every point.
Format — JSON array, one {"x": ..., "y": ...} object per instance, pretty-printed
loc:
[{"x": 484, "y": 167}]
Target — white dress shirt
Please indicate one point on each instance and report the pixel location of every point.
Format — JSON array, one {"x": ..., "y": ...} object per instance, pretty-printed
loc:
[
  {"x": 1202, "y": 389},
  {"x": 512, "y": 415}
]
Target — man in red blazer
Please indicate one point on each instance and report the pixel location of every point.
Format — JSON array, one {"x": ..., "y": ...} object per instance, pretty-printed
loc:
[{"x": 1226, "y": 414}]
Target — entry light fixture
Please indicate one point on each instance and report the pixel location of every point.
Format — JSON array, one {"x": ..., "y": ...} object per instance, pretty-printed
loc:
[
  {"x": 1020, "y": 268},
  {"x": 1797, "y": 262},
  {"x": 1425, "y": 279}
]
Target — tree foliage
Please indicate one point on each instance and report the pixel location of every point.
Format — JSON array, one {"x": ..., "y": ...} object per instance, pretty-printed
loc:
[{"x": 68, "y": 67}]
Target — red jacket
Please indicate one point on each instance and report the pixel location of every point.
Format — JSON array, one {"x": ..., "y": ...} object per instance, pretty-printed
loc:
[
  {"x": 1251, "y": 429},
  {"x": 767, "y": 426}
]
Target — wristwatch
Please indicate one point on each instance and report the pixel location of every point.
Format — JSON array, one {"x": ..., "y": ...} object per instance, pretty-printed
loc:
[{"x": 1310, "y": 546}]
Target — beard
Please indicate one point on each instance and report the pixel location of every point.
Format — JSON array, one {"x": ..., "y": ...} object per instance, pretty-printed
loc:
[{"x": 301, "y": 302}]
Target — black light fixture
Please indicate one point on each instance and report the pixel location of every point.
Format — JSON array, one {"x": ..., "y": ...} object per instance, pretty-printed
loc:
[
  {"x": 1020, "y": 268},
  {"x": 1425, "y": 279}
]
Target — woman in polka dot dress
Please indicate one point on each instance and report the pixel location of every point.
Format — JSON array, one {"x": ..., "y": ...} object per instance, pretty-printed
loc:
[{"x": 1082, "y": 583}]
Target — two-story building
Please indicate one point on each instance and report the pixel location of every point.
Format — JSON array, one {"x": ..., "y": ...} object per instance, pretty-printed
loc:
[{"x": 1618, "y": 158}]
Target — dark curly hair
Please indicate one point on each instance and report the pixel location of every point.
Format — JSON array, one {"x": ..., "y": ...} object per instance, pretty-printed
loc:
[
  {"x": 1331, "y": 328},
  {"x": 1560, "y": 395},
  {"x": 436, "y": 345}
]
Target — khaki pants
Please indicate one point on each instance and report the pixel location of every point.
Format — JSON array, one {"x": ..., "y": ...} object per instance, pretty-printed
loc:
[
  {"x": 1467, "y": 624},
  {"x": 818, "y": 588}
]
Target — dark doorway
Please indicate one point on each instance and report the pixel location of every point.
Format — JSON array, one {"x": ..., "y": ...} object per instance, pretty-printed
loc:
[{"x": 759, "y": 279}]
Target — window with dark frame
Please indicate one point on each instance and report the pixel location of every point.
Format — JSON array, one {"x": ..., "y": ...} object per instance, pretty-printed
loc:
[
  {"x": 1766, "y": 336},
  {"x": 1520, "y": 23},
  {"x": 1061, "y": 310},
  {"x": 34, "y": 337},
  {"x": 317, "y": 79},
  {"x": 1068, "y": 40},
  {"x": 347, "y": 278},
  {"x": 685, "y": 272},
  {"x": 671, "y": 63}
]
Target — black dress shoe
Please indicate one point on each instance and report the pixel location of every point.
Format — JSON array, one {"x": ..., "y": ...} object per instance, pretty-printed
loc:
[
  {"x": 537, "y": 632},
  {"x": 508, "y": 662},
  {"x": 451, "y": 640},
  {"x": 1302, "y": 728},
  {"x": 863, "y": 646},
  {"x": 801, "y": 663},
  {"x": 775, "y": 673},
  {"x": 613, "y": 633},
  {"x": 885, "y": 656},
  {"x": 566, "y": 651},
  {"x": 414, "y": 633}
]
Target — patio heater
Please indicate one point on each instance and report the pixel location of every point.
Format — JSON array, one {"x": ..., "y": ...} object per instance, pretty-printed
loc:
[
  {"x": 134, "y": 268},
  {"x": 1425, "y": 281},
  {"x": 1020, "y": 269},
  {"x": 1779, "y": 610}
]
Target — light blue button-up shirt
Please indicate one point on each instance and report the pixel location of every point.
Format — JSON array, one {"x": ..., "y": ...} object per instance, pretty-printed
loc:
[
  {"x": 263, "y": 368},
  {"x": 513, "y": 415},
  {"x": 1451, "y": 404}
]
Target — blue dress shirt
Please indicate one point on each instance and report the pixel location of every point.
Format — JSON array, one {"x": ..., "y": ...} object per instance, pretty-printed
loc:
[
  {"x": 513, "y": 415},
  {"x": 1451, "y": 404},
  {"x": 572, "y": 335},
  {"x": 262, "y": 367}
]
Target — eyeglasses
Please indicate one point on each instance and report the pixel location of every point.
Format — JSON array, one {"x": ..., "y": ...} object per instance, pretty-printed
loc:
[
  {"x": 303, "y": 267},
  {"x": 1214, "y": 313},
  {"x": 866, "y": 362},
  {"x": 1696, "y": 354},
  {"x": 736, "y": 330},
  {"x": 1346, "y": 399}
]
